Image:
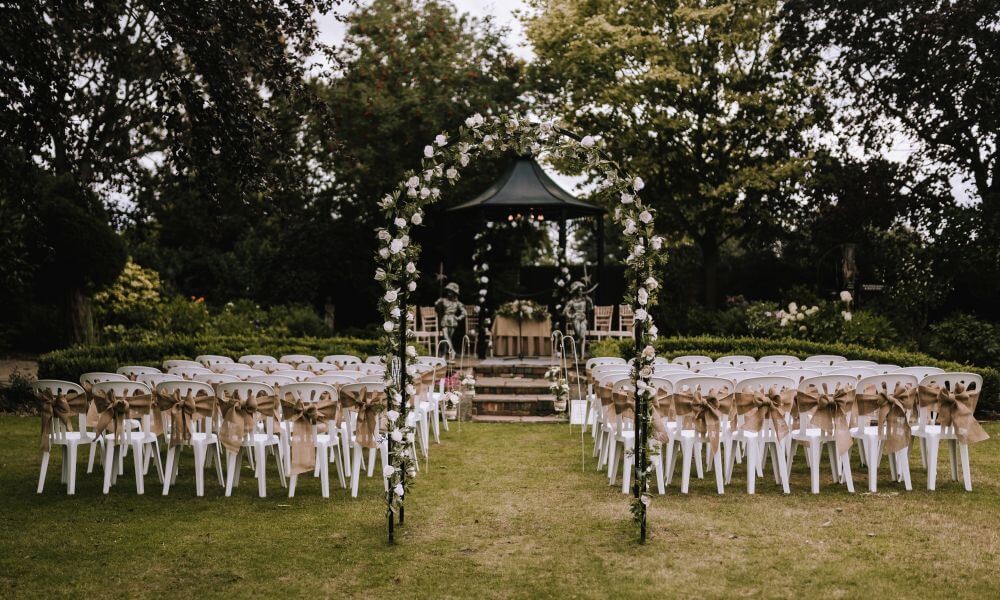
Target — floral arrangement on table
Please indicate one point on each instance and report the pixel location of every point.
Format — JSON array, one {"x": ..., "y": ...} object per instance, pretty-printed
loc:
[
  {"x": 558, "y": 386},
  {"x": 492, "y": 136},
  {"x": 523, "y": 310}
]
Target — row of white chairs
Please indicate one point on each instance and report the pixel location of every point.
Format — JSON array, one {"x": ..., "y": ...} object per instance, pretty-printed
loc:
[
  {"x": 137, "y": 433},
  {"x": 610, "y": 434}
]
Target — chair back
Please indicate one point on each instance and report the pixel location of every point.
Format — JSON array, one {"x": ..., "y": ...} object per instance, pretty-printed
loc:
[
  {"x": 921, "y": 372},
  {"x": 125, "y": 390},
  {"x": 256, "y": 359},
  {"x": 370, "y": 379},
  {"x": 765, "y": 382},
  {"x": 692, "y": 360},
  {"x": 96, "y": 377},
  {"x": 341, "y": 360},
  {"x": 662, "y": 384},
  {"x": 309, "y": 391},
  {"x": 296, "y": 359},
  {"x": 432, "y": 361},
  {"x": 602, "y": 360},
  {"x": 179, "y": 362},
  {"x": 829, "y": 359},
  {"x": 735, "y": 360},
  {"x": 133, "y": 371},
  {"x": 155, "y": 379},
  {"x": 188, "y": 372},
  {"x": 297, "y": 375},
  {"x": 890, "y": 381},
  {"x": 971, "y": 382},
  {"x": 857, "y": 363},
  {"x": 720, "y": 370},
  {"x": 56, "y": 388},
  {"x": 208, "y": 360},
  {"x": 369, "y": 368},
  {"x": 275, "y": 367},
  {"x": 778, "y": 359},
  {"x": 318, "y": 368},
  {"x": 796, "y": 374},
  {"x": 245, "y": 374},
  {"x": 626, "y": 318},
  {"x": 215, "y": 378},
  {"x": 472, "y": 320},
  {"x": 428, "y": 318},
  {"x": 858, "y": 372},
  {"x": 602, "y": 318},
  {"x": 274, "y": 381},
  {"x": 668, "y": 368},
  {"x": 376, "y": 359},
  {"x": 815, "y": 385},
  {"x": 334, "y": 379}
]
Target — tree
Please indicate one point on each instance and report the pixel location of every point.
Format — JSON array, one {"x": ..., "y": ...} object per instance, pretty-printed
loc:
[
  {"x": 921, "y": 69},
  {"x": 113, "y": 94},
  {"x": 695, "y": 97}
]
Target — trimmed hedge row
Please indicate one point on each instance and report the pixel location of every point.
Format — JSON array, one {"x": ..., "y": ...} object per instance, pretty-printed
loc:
[
  {"x": 989, "y": 400},
  {"x": 71, "y": 362}
]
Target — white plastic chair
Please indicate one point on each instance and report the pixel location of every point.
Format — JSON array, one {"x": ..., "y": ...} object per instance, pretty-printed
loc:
[
  {"x": 872, "y": 438},
  {"x": 179, "y": 362},
  {"x": 856, "y": 363},
  {"x": 930, "y": 434},
  {"x": 95, "y": 377},
  {"x": 135, "y": 436},
  {"x": 796, "y": 374},
  {"x": 341, "y": 360},
  {"x": 297, "y": 375},
  {"x": 245, "y": 374},
  {"x": 133, "y": 371},
  {"x": 368, "y": 368},
  {"x": 68, "y": 441},
  {"x": 296, "y": 359},
  {"x": 356, "y": 449},
  {"x": 318, "y": 368},
  {"x": 202, "y": 437},
  {"x": 692, "y": 361},
  {"x": 857, "y": 372},
  {"x": 375, "y": 360},
  {"x": 208, "y": 360},
  {"x": 778, "y": 359},
  {"x": 257, "y": 440},
  {"x": 813, "y": 438},
  {"x": 830, "y": 359},
  {"x": 719, "y": 370},
  {"x": 214, "y": 379},
  {"x": 188, "y": 372},
  {"x": 759, "y": 442},
  {"x": 921, "y": 372},
  {"x": 253, "y": 360},
  {"x": 689, "y": 440},
  {"x": 327, "y": 445},
  {"x": 735, "y": 360},
  {"x": 275, "y": 367},
  {"x": 155, "y": 379}
]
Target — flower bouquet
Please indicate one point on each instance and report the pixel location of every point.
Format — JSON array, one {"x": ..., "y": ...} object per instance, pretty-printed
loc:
[
  {"x": 559, "y": 387},
  {"x": 523, "y": 310}
]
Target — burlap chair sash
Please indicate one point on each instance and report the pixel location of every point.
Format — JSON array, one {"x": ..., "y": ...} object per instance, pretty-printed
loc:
[
  {"x": 954, "y": 408},
  {"x": 306, "y": 417},
  {"x": 62, "y": 407},
  {"x": 705, "y": 412},
  {"x": 183, "y": 413},
  {"x": 607, "y": 400},
  {"x": 623, "y": 403},
  {"x": 112, "y": 411},
  {"x": 891, "y": 410},
  {"x": 828, "y": 412},
  {"x": 368, "y": 403},
  {"x": 239, "y": 417},
  {"x": 663, "y": 408},
  {"x": 758, "y": 406}
]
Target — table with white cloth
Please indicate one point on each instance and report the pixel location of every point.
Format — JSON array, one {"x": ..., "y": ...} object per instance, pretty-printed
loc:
[{"x": 535, "y": 337}]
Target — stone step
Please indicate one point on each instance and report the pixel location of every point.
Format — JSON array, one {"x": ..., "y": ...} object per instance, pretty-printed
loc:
[
  {"x": 512, "y": 385},
  {"x": 525, "y": 405}
]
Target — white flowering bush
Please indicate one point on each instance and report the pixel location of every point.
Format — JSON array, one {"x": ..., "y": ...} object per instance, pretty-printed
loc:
[{"x": 395, "y": 259}]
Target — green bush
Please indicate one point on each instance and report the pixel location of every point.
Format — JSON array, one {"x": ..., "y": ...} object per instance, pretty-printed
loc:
[
  {"x": 71, "y": 362},
  {"x": 17, "y": 396},
  {"x": 715, "y": 347},
  {"x": 966, "y": 338}
]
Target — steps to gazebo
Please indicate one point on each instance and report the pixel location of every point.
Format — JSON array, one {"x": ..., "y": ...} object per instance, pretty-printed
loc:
[{"x": 516, "y": 389}]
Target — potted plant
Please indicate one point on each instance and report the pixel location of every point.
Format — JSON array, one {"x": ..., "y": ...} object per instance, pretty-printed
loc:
[{"x": 559, "y": 387}]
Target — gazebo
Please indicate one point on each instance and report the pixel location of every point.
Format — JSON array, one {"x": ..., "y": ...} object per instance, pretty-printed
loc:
[{"x": 524, "y": 190}]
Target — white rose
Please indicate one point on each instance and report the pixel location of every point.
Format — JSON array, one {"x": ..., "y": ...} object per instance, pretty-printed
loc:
[
  {"x": 411, "y": 268},
  {"x": 391, "y": 296},
  {"x": 395, "y": 312},
  {"x": 641, "y": 314},
  {"x": 425, "y": 192},
  {"x": 398, "y": 490},
  {"x": 800, "y": 316},
  {"x": 651, "y": 283},
  {"x": 417, "y": 219},
  {"x": 395, "y": 246},
  {"x": 412, "y": 286},
  {"x": 451, "y": 173},
  {"x": 643, "y": 296},
  {"x": 383, "y": 252},
  {"x": 587, "y": 141},
  {"x": 405, "y": 240},
  {"x": 428, "y": 151},
  {"x": 413, "y": 182},
  {"x": 646, "y": 216},
  {"x": 411, "y": 351},
  {"x": 441, "y": 140},
  {"x": 653, "y": 331},
  {"x": 629, "y": 227},
  {"x": 410, "y": 390},
  {"x": 802, "y": 328},
  {"x": 392, "y": 414},
  {"x": 845, "y": 296},
  {"x": 627, "y": 198},
  {"x": 400, "y": 222},
  {"x": 793, "y": 307},
  {"x": 656, "y": 242},
  {"x": 639, "y": 250},
  {"x": 388, "y": 470},
  {"x": 463, "y": 159},
  {"x": 384, "y": 235},
  {"x": 482, "y": 292},
  {"x": 484, "y": 279},
  {"x": 649, "y": 352},
  {"x": 474, "y": 121},
  {"x": 388, "y": 326},
  {"x": 380, "y": 274},
  {"x": 638, "y": 184},
  {"x": 847, "y": 315},
  {"x": 396, "y": 435}
]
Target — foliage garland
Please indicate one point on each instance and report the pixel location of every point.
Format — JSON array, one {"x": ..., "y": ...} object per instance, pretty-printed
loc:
[{"x": 396, "y": 266}]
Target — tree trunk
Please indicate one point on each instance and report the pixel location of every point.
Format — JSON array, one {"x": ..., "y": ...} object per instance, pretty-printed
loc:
[
  {"x": 710, "y": 271},
  {"x": 81, "y": 317}
]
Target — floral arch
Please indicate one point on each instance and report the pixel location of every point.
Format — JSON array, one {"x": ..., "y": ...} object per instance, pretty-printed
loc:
[{"x": 396, "y": 261}]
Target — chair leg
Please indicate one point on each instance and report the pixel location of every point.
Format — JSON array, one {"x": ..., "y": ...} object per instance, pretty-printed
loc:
[
  {"x": 217, "y": 461},
  {"x": 923, "y": 452},
  {"x": 686, "y": 457},
  {"x": 845, "y": 468},
  {"x": 324, "y": 473},
  {"x": 903, "y": 464},
  {"x": 873, "y": 458},
  {"x": 41, "y": 472},
  {"x": 720, "y": 474},
  {"x": 199, "y": 469},
  {"x": 730, "y": 461},
  {"x": 657, "y": 460},
  {"x": 138, "y": 460},
  {"x": 261, "y": 468},
  {"x": 90, "y": 458},
  {"x": 779, "y": 453},
  {"x": 613, "y": 462},
  {"x": 155, "y": 449},
  {"x": 110, "y": 464},
  {"x": 963, "y": 449},
  {"x": 671, "y": 460},
  {"x": 699, "y": 454},
  {"x": 627, "y": 466},
  {"x": 338, "y": 459},
  {"x": 931, "y": 446},
  {"x": 751, "y": 466},
  {"x": 953, "y": 456},
  {"x": 231, "y": 470},
  {"x": 831, "y": 454},
  {"x": 171, "y": 456},
  {"x": 371, "y": 462},
  {"x": 355, "y": 470},
  {"x": 814, "y": 456}
]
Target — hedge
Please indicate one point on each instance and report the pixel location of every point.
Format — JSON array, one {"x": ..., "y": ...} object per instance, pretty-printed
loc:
[
  {"x": 71, "y": 362},
  {"x": 714, "y": 347}
]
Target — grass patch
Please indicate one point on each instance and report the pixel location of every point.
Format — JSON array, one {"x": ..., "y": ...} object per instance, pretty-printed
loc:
[{"x": 505, "y": 511}]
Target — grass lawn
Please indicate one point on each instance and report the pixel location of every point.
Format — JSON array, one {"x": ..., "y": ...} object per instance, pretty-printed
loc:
[{"x": 505, "y": 511}]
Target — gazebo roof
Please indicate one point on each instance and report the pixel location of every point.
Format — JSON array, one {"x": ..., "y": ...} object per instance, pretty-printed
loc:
[{"x": 525, "y": 187}]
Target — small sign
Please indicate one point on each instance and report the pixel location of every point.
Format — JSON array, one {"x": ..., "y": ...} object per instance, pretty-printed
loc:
[
  {"x": 578, "y": 412},
  {"x": 872, "y": 287}
]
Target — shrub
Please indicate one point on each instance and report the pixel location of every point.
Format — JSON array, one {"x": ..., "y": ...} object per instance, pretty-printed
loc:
[
  {"x": 71, "y": 362},
  {"x": 18, "y": 396},
  {"x": 715, "y": 347},
  {"x": 964, "y": 337}
]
